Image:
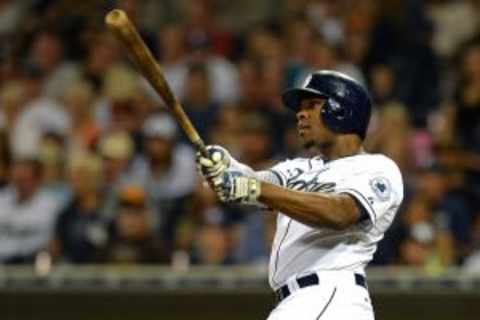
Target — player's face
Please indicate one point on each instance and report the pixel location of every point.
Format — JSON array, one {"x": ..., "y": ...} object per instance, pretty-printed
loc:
[{"x": 310, "y": 127}]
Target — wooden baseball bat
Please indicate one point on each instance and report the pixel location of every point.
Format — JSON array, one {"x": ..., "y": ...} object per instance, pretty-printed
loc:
[{"x": 124, "y": 30}]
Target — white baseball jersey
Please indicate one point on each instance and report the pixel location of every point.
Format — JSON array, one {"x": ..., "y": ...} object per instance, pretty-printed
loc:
[
  {"x": 26, "y": 227},
  {"x": 298, "y": 249}
]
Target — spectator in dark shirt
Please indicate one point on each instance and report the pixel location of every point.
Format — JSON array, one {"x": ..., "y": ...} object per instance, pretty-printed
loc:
[
  {"x": 81, "y": 231},
  {"x": 197, "y": 103},
  {"x": 131, "y": 236}
]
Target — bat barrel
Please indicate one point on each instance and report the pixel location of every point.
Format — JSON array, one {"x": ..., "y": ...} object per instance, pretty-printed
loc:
[{"x": 119, "y": 23}]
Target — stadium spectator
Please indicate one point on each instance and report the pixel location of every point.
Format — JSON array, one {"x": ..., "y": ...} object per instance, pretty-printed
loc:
[
  {"x": 221, "y": 72},
  {"x": 467, "y": 98},
  {"x": 172, "y": 43},
  {"x": 39, "y": 115},
  {"x": 11, "y": 13},
  {"x": 116, "y": 150},
  {"x": 392, "y": 135},
  {"x": 383, "y": 85},
  {"x": 167, "y": 173},
  {"x": 254, "y": 233},
  {"x": 198, "y": 105},
  {"x": 12, "y": 100},
  {"x": 102, "y": 54},
  {"x": 27, "y": 213},
  {"x": 121, "y": 106},
  {"x": 200, "y": 20},
  {"x": 85, "y": 132},
  {"x": 438, "y": 217},
  {"x": 81, "y": 230},
  {"x": 52, "y": 156},
  {"x": 131, "y": 238},
  {"x": 47, "y": 54},
  {"x": 216, "y": 229}
]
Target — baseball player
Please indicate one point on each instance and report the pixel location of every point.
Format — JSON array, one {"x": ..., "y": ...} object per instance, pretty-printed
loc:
[{"x": 333, "y": 208}]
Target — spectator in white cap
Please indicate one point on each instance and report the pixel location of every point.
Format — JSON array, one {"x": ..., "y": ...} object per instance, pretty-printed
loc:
[
  {"x": 160, "y": 126},
  {"x": 167, "y": 172},
  {"x": 170, "y": 164}
]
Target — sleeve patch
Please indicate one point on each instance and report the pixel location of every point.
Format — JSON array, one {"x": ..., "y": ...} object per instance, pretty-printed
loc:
[{"x": 381, "y": 188}]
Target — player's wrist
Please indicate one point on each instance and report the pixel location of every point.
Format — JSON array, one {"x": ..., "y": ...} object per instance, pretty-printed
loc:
[
  {"x": 254, "y": 190},
  {"x": 235, "y": 187},
  {"x": 244, "y": 189}
]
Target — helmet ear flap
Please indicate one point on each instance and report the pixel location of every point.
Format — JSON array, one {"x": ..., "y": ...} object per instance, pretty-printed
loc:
[
  {"x": 333, "y": 114},
  {"x": 336, "y": 109}
]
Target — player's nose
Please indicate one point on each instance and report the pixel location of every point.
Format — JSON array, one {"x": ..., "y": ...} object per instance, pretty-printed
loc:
[{"x": 301, "y": 114}]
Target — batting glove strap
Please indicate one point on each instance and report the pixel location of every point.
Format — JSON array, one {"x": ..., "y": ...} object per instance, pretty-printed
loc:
[{"x": 235, "y": 187}]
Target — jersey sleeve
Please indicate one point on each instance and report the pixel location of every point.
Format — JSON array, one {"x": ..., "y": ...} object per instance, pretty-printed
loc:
[
  {"x": 279, "y": 171},
  {"x": 285, "y": 170},
  {"x": 376, "y": 189},
  {"x": 271, "y": 176}
]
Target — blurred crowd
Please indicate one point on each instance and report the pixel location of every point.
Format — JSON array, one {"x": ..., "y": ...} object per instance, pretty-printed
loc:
[{"x": 94, "y": 170}]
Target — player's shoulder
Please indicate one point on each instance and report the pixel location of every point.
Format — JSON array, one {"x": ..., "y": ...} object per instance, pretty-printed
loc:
[
  {"x": 367, "y": 160},
  {"x": 370, "y": 162},
  {"x": 378, "y": 160},
  {"x": 377, "y": 164}
]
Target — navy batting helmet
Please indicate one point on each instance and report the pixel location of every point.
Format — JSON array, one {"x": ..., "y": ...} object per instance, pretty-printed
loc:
[{"x": 347, "y": 108}]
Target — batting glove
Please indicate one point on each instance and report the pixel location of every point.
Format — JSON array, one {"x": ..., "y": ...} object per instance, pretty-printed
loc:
[
  {"x": 233, "y": 186},
  {"x": 215, "y": 164}
]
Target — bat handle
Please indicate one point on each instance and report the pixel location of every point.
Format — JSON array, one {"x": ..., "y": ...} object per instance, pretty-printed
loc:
[{"x": 200, "y": 146}]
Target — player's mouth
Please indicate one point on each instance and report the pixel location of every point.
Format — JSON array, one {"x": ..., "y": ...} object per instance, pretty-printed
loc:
[{"x": 301, "y": 127}]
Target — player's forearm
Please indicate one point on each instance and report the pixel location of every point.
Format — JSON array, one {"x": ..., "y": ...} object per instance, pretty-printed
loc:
[{"x": 316, "y": 209}]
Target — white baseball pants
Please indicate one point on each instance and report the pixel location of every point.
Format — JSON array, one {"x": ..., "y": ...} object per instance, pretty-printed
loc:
[{"x": 336, "y": 297}]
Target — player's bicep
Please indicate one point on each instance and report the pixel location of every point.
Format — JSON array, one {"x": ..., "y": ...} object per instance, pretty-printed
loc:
[
  {"x": 374, "y": 194},
  {"x": 363, "y": 214}
]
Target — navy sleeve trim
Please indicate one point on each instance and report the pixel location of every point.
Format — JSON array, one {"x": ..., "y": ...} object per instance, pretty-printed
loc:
[
  {"x": 365, "y": 204},
  {"x": 363, "y": 212}
]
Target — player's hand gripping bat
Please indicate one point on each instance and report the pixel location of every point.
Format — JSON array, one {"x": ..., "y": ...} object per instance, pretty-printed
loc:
[{"x": 118, "y": 22}]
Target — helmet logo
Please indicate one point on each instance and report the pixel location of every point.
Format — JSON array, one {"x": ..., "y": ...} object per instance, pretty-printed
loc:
[
  {"x": 341, "y": 90},
  {"x": 307, "y": 81}
]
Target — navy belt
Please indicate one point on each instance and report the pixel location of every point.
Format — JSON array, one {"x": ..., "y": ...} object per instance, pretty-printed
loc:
[{"x": 313, "y": 280}]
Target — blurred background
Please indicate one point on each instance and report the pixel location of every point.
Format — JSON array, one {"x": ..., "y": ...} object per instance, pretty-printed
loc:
[{"x": 100, "y": 202}]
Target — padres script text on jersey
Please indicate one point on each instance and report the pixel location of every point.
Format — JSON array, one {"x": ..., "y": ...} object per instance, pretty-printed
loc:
[{"x": 372, "y": 179}]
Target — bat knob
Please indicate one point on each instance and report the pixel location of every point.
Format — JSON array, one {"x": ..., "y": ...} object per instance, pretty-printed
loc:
[{"x": 116, "y": 18}]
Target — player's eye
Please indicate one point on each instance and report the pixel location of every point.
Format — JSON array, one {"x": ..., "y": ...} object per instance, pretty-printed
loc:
[
  {"x": 310, "y": 104},
  {"x": 313, "y": 103}
]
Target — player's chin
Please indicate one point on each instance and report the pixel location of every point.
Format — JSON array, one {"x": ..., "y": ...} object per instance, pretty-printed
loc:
[{"x": 308, "y": 143}]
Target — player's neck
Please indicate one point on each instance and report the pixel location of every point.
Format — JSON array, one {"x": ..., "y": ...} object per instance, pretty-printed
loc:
[{"x": 342, "y": 146}]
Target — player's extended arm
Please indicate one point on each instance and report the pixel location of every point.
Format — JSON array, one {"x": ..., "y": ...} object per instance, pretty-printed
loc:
[
  {"x": 241, "y": 184},
  {"x": 336, "y": 211}
]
